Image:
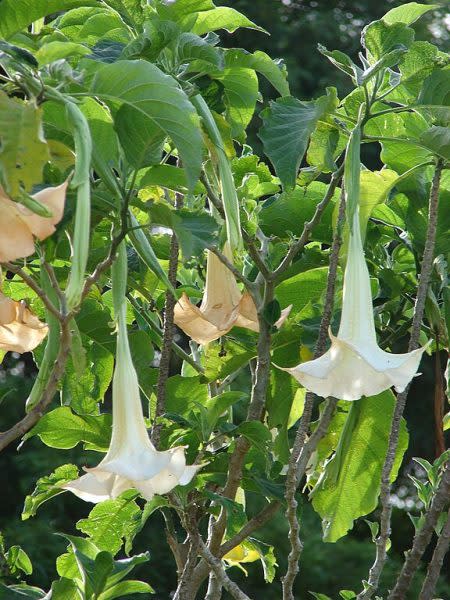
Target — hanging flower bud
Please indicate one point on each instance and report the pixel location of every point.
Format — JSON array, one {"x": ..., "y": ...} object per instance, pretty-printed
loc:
[
  {"x": 223, "y": 306},
  {"x": 20, "y": 330},
  {"x": 19, "y": 225}
]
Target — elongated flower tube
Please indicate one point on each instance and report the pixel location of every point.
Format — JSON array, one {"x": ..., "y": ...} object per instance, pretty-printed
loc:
[
  {"x": 19, "y": 225},
  {"x": 132, "y": 462},
  {"x": 223, "y": 305},
  {"x": 20, "y": 330},
  {"x": 355, "y": 365}
]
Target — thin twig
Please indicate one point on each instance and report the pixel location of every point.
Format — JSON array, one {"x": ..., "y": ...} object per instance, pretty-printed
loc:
[
  {"x": 255, "y": 523},
  {"x": 31, "y": 418},
  {"x": 219, "y": 571},
  {"x": 294, "y": 473},
  {"x": 242, "y": 445},
  {"x": 385, "y": 495},
  {"x": 309, "y": 225},
  {"x": 435, "y": 566},
  {"x": 168, "y": 333},
  {"x": 422, "y": 538},
  {"x": 31, "y": 283}
]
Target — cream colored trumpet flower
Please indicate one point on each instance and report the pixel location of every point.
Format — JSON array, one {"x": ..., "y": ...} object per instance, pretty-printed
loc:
[
  {"x": 20, "y": 330},
  {"x": 223, "y": 305},
  {"x": 19, "y": 225},
  {"x": 132, "y": 462},
  {"x": 355, "y": 365}
]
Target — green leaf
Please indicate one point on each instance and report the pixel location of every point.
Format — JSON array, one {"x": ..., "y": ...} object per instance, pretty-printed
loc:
[
  {"x": 47, "y": 487},
  {"x": 56, "y": 50},
  {"x": 64, "y": 589},
  {"x": 168, "y": 176},
  {"x": 325, "y": 146},
  {"x": 416, "y": 66},
  {"x": 190, "y": 47},
  {"x": 183, "y": 393},
  {"x": 257, "y": 433},
  {"x": 18, "y": 561},
  {"x": 408, "y": 13},
  {"x": 16, "y": 16},
  {"x": 302, "y": 288},
  {"x": 23, "y": 150},
  {"x": 110, "y": 522},
  {"x": 156, "y": 96},
  {"x": 177, "y": 10},
  {"x": 437, "y": 139},
  {"x": 289, "y": 211},
  {"x": 355, "y": 493},
  {"x": 342, "y": 61},
  {"x": 222, "y": 17},
  {"x": 195, "y": 230},
  {"x": 82, "y": 391},
  {"x": 288, "y": 123},
  {"x": 273, "y": 71},
  {"x": 61, "y": 428},
  {"x": 379, "y": 38},
  {"x": 125, "y": 588},
  {"x": 241, "y": 93},
  {"x": 21, "y": 591},
  {"x": 143, "y": 141}
]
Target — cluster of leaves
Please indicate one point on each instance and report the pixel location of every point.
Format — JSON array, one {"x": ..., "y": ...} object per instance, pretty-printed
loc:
[{"x": 134, "y": 69}]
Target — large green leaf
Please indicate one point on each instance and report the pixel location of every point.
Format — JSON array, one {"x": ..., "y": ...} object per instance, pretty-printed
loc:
[
  {"x": 355, "y": 492},
  {"x": 156, "y": 96},
  {"x": 288, "y": 212},
  {"x": 23, "y": 150},
  {"x": 379, "y": 38},
  {"x": 408, "y": 13},
  {"x": 47, "y": 487},
  {"x": 437, "y": 139},
  {"x": 302, "y": 288},
  {"x": 15, "y": 16},
  {"x": 241, "y": 93},
  {"x": 61, "y": 428},
  {"x": 177, "y": 10},
  {"x": 110, "y": 522},
  {"x": 417, "y": 64},
  {"x": 222, "y": 17},
  {"x": 288, "y": 123},
  {"x": 260, "y": 62}
]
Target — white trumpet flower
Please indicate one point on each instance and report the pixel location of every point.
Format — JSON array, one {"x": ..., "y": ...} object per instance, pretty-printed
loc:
[
  {"x": 355, "y": 365},
  {"x": 132, "y": 462},
  {"x": 223, "y": 305}
]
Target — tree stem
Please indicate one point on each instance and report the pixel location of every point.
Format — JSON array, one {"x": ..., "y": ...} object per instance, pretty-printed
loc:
[
  {"x": 419, "y": 307},
  {"x": 298, "y": 459},
  {"x": 168, "y": 332}
]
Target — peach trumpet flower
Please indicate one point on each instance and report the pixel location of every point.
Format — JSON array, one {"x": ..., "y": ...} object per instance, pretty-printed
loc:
[
  {"x": 20, "y": 330},
  {"x": 19, "y": 225},
  {"x": 132, "y": 462},
  {"x": 223, "y": 306},
  {"x": 355, "y": 365}
]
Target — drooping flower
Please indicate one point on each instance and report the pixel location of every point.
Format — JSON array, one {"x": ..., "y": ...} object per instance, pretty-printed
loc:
[
  {"x": 20, "y": 330},
  {"x": 132, "y": 462},
  {"x": 355, "y": 365},
  {"x": 19, "y": 225},
  {"x": 223, "y": 305}
]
